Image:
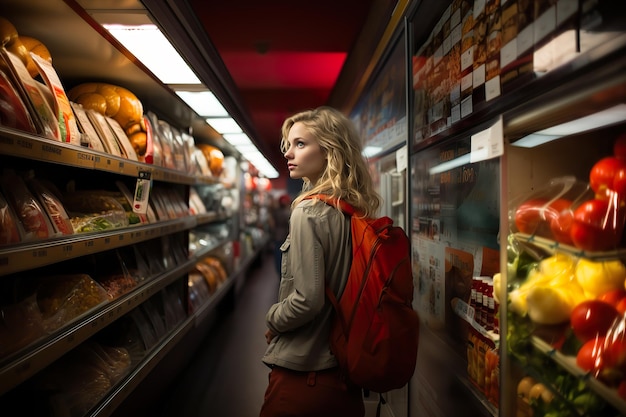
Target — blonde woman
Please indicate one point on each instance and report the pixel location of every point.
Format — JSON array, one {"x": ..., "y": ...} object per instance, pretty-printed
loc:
[{"x": 322, "y": 147}]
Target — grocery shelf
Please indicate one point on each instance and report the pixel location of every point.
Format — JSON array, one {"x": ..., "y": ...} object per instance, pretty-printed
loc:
[
  {"x": 132, "y": 381},
  {"x": 19, "y": 369},
  {"x": 568, "y": 363},
  {"x": 31, "y": 255},
  {"x": 553, "y": 246},
  {"x": 24, "y": 145}
]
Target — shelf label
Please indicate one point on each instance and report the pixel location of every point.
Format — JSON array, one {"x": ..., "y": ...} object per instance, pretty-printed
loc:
[
  {"x": 142, "y": 192},
  {"x": 488, "y": 144}
]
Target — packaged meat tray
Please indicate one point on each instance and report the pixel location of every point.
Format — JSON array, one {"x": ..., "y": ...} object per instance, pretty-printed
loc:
[
  {"x": 31, "y": 215},
  {"x": 59, "y": 218}
]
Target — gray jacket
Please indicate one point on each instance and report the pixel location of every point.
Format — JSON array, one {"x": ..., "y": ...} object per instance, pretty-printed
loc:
[{"x": 318, "y": 247}]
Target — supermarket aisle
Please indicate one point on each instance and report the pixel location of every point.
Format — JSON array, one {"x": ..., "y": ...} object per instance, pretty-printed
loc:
[{"x": 226, "y": 378}]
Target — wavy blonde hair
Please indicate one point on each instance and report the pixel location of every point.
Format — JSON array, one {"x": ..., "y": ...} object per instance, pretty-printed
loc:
[{"x": 346, "y": 176}]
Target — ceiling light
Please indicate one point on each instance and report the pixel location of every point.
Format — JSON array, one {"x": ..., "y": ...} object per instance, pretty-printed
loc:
[
  {"x": 237, "y": 139},
  {"x": 153, "y": 49},
  {"x": 204, "y": 103},
  {"x": 612, "y": 115},
  {"x": 224, "y": 124}
]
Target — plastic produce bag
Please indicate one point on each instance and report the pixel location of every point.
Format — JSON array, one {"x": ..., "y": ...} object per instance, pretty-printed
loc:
[{"x": 568, "y": 214}]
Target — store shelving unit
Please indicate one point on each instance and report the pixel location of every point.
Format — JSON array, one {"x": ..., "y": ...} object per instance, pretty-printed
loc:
[{"x": 83, "y": 51}]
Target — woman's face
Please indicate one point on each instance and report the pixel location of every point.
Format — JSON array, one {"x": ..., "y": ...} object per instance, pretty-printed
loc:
[{"x": 305, "y": 157}]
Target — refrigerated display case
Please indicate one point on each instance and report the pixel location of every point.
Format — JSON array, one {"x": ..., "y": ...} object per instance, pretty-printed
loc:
[{"x": 514, "y": 102}]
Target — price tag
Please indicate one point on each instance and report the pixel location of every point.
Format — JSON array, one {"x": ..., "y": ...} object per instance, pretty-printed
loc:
[{"x": 142, "y": 192}]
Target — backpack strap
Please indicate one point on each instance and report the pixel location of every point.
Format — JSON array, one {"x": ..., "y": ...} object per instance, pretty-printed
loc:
[{"x": 331, "y": 201}]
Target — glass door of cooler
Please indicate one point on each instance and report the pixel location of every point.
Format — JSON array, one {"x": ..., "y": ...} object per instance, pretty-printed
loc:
[{"x": 455, "y": 209}]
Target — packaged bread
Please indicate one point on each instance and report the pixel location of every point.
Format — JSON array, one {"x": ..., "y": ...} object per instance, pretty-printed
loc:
[{"x": 110, "y": 100}]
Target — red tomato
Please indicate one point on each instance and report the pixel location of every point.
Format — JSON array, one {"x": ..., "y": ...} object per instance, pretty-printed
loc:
[
  {"x": 595, "y": 227},
  {"x": 603, "y": 172},
  {"x": 561, "y": 218},
  {"x": 619, "y": 146},
  {"x": 621, "y": 306},
  {"x": 591, "y": 319},
  {"x": 529, "y": 215},
  {"x": 614, "y": 353},
  {"x": 613, "y": 297},
  {"x": 619, "y": 182},
  {"x": 589, "y": 356}
]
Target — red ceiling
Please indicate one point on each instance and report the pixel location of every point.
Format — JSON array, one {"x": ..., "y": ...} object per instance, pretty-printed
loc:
[{"x": 284, "y": 56}]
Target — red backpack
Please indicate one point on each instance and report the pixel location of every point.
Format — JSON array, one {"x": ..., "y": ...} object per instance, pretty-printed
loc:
[{"x": 375, "y": 331}]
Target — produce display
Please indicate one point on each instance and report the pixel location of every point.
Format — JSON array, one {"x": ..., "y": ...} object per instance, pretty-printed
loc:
[{"x": 567, "y": 292}]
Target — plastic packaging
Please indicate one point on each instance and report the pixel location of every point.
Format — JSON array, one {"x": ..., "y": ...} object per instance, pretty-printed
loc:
[
  {"x": 567, "y": 214},
  {"x": 64, "y": 298},
  {"x": 28, "y": 210},
  {"x": 92, "y": 211},
  {"x": 10, "y": 228}
]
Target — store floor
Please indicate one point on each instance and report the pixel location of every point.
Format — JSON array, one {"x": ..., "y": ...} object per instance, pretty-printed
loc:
[{"x": 226, "y": 377}]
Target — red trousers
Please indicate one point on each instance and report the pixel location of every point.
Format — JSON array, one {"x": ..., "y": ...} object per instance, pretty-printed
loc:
[{"x": 311, "y": 394}]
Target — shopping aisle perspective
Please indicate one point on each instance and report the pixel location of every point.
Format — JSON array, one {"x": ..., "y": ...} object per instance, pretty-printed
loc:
[{"x": 226, "y": 377}]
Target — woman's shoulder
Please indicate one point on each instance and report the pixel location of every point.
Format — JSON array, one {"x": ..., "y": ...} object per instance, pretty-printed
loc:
[{"x": 314, "y": 208}]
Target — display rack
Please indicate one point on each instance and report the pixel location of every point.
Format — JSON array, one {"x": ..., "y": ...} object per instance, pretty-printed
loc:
[{"x": 82, "y": 50}]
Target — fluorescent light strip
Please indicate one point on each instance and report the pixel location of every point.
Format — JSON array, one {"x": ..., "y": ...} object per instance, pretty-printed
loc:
[
  {"x": 204, "y": 103},
  {"x": 612, "y": 115},
  {"x": 153, "y": 49},
  {"x": 224, "y": 125},
  {"x": 237, "y": 139}
]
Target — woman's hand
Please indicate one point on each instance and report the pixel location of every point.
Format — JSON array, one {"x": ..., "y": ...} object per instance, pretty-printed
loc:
[{"x": 269, "y": 335}]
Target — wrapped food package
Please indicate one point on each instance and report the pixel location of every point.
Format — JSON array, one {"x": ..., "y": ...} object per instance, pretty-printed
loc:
[
  {"x": 111, "y": 100},
  {"x": 215, "y": 158},
  {"x": 35, "y": 46},
  {"x": 174, "y": 310},
  {"x": 9, "y": 225},
  {"x": 198, "y": 290},
  {"x": 21, "y": 324},
  {"x": 35, "y": 96},
  {"x": 146, "y": 330},
  {"x": 92, "y": 211},
  {"x": 13, "y": 111},
  {"x": 79, "y": 380},
  {"x": 52, "y": 205},
  {"x": 64, "y": 298},
  {"x": 31, "y": 215}
]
